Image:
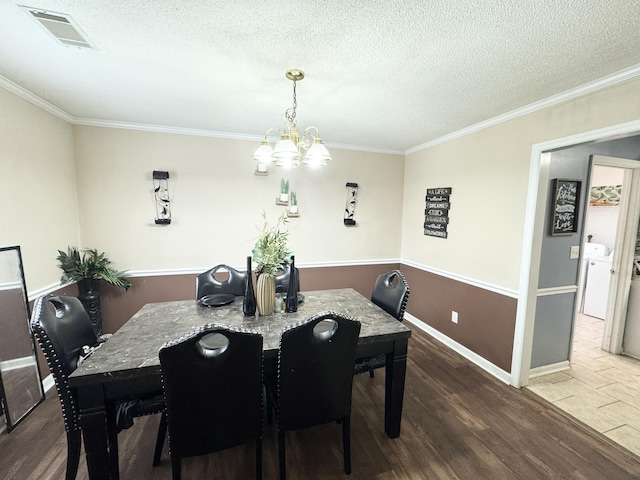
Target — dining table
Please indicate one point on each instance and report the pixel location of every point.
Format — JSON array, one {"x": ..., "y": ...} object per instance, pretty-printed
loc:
[{"x": 127, "y": 365}]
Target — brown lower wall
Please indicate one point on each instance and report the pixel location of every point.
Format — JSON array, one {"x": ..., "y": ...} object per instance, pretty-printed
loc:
[
  {"x": 14, "y": 337},
  {"x": 486, "y": 319},
  {"x": 118, "y": 306}
]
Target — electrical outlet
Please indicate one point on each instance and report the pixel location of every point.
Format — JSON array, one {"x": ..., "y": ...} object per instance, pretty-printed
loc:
[
  {"x": 575, "y": 252},
  {"x": 454, "y": 316}
]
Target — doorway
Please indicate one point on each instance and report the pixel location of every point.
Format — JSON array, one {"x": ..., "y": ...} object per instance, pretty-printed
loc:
[
  {"x": 622, "y": 140},
  {"x": 604, "y": 196}
]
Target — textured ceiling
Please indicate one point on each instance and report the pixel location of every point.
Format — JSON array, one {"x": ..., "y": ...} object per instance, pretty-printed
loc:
[{"x": 386, "y": 75}]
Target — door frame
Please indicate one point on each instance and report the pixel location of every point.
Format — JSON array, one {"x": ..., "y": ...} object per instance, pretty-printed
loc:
[
  {"x": 532, "y": 239},
  {"x": 624, "y": 251}
]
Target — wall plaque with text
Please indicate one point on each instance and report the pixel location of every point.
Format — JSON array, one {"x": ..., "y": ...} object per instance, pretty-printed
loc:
[
  {"x": 436, "y": 212},
  {"x": 565, "y": 206}
]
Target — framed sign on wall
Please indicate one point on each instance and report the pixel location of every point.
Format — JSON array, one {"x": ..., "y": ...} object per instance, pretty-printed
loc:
[{"x": 565, "y": 206}]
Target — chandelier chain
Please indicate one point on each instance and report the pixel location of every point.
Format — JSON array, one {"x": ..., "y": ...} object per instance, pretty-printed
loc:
[{"x": 290, "y": 114}]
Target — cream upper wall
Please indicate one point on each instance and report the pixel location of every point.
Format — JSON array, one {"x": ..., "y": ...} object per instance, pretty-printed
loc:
[
  {"x": 217, "y": 201},
  {"x": 38, "y": 194},
  {"x": 488, "y": 171}
]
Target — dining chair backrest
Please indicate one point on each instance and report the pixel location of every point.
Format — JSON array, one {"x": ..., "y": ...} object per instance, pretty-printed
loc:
[
  {"x": 315, "y": 371},
  {"x": 282, "y": 280},
  {"x": 391, "y": 293},
  {"x": 62, "y": 328},
  {"x": 207, "y": 283},
  {"x": 212, "y": 380}
]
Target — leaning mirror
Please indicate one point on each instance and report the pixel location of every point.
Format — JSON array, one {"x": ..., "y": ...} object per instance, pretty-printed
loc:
[{"x": 20, "y": 384}]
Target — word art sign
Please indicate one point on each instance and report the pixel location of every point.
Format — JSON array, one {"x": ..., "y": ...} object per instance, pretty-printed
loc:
[
  {"x": 565, "y": 206},
  {"x": 436, "y": 213}
]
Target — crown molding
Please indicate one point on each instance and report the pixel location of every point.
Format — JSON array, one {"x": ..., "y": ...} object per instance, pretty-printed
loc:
[
  {"x": 586, "y": 89},
  {"x": 34, "y": 99}
]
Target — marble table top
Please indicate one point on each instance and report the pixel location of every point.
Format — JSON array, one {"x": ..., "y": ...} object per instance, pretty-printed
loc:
[{"x": 133, "y": 349}]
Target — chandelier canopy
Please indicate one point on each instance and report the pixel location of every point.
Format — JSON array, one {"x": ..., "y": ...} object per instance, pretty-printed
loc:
[{"x": 292, "y": 146}]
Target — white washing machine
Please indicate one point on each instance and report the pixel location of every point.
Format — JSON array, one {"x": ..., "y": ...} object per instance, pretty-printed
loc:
[
  {"x": 589, "y": 251},
  {"x": 596, "y": 291}
]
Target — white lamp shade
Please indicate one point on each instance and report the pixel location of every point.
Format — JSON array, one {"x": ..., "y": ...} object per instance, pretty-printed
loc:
[
  {"x": 317, "y": 155},
  {"x": 263, "y": 153},
  {"x": 286, "y": 154}
]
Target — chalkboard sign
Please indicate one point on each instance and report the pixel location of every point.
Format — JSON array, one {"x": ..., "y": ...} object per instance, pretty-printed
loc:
[
  {"x": 565, "y": 206},
  {"x": 436, "y": 213}
]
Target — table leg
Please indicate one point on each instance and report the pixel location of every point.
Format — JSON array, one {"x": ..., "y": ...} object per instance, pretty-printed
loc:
[
  {"x": 394, "y": 387},
  {"x": 93, "y": 421}
]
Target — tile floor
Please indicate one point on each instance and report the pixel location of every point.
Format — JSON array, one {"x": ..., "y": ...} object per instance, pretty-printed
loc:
[{"x": 600, "y": 389}]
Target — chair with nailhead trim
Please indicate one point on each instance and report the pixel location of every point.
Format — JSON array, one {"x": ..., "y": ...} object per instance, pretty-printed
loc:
[
  {"x": 62, "y": 328},
  {"x": 314, "y": 379},
  {"x": 212, "y": 380},
  {"x": 391, "y": 293}
]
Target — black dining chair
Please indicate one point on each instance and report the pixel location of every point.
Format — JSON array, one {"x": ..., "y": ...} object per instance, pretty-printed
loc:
[
  {"x": 64, "y": 332},
  {"x": 208, "y": 284},
  {"x": 282, "y": 279},
  {"x": 212, "y": 381},
  {"x": 391, "y": 293},
  {"x": 314, "y": 378}
]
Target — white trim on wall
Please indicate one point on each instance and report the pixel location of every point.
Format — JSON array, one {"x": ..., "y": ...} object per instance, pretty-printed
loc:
[
  {"x": 194, "y": 271},
  {"x": 10, "y": 286},
  {"x": 507, "y": 292},
  {"x": 543, "y": 292}
]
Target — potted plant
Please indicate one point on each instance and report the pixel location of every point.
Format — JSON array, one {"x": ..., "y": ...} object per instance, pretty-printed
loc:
[
  {"x": 293, "y": 207},
  {"x": 270, "y": 253},
  {"x": 284, "y": 190},
  {"x": 87, "y": 268}
]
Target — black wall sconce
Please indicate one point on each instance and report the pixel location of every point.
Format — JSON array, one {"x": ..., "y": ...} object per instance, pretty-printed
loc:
[
  {"x": 350, "y": 207},
  {"x": 161, "y": 197}
]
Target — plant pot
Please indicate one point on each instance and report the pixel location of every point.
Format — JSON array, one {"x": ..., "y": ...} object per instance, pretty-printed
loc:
[
  {"x": 265, "y": 294},
  {"x": 284, "y": 197},
  {"x": 293, "y": 209},
  {"x": 89, "y": 295}
]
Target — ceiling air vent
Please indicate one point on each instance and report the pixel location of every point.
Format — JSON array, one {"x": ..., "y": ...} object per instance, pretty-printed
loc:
[{"x": 63, "y": 28}]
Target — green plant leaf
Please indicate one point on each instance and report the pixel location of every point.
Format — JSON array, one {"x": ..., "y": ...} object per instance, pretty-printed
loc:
[
  {"x": 271, "y": 251},
  {"x": 90, "y": 263}
]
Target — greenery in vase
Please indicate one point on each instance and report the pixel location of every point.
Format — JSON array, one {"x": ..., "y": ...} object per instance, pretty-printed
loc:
[
  {"x": 284, "y": 186},
  {"x": 78, "y": 266},
  {"x": 293, "y": 198},
  {"x": 271, "y": 252}
]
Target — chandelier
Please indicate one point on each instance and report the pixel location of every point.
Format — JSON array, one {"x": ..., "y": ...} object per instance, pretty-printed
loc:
[{"x": 292, "y": 147}]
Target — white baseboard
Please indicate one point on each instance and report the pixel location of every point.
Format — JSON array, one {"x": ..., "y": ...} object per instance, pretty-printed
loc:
[
  {"x": 473, "y": 357},
  {"x": 16, "y": 363},
  {"x": 547, "y": 369},
  {"x": 48, "y": 383}
]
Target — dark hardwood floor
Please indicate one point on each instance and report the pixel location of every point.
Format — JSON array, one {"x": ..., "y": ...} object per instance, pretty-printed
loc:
[{"x": 459, "y": 423}]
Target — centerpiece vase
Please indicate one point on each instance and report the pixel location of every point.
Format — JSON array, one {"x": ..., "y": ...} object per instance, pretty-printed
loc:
[
  {"x": 292, "y": 290},
  {"x": 266, "y": 294},
  {"x": 249, "y": 301}
]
